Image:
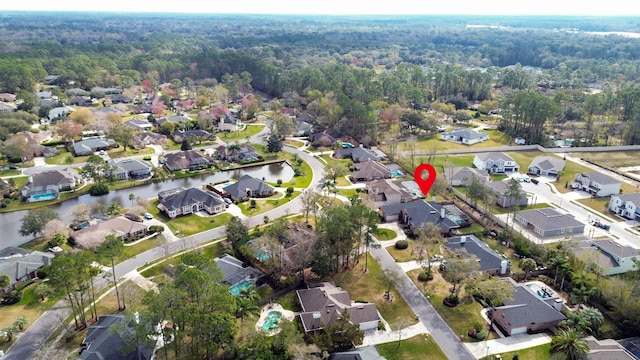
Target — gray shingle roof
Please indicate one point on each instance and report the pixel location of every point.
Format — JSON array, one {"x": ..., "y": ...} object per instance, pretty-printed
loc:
[
  {"x": 106, "y": 343},
  {"x": 600, "y": 178},
  {"x": 53, "y": 177},
  {"x": 247, "y": 182},
  {"x": 233, "y": 271},
  {"x": 547, "y": 163},
  {"x": 494, "y": 156},
  {"x": 20, "y": 265},
  {"x": 527, "y": 308},
  {"x": 90, "y": 145},
  {"x": 465, "y": 133},
  {"x": 460, "y": 173},
  {"x": 370, "y": 170},
  {"x": 489, "y": 259},
  {"x": 631, "y": 197},
  {"x": 358, "y": 154},
  {"x": 549, "y": 219},
  {"x": 422, "y": 212},
  {"x": 190, "y": 196}
]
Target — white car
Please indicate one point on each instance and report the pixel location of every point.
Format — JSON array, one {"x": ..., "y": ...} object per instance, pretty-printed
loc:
[
  {"x": 55, "y": 249},
  {"x": 148, "y": 216}
]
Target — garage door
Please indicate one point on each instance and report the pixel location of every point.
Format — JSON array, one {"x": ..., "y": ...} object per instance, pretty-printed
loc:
[{"x": 519, "y": 330}]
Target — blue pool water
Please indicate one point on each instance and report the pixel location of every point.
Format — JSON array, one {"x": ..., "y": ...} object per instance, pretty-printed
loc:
[
  {"x": 262, "y": 256},
  {"x": 347, "y": 145},
  {"x": 237, "y": 288},
  {"x": 396, "y": 173},
  {"x": 272, "y": 320},
  {"x": 539, "y": 291}
]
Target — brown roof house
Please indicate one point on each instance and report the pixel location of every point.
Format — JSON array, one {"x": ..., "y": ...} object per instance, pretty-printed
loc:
[
  {"x": 532, "y": 309},
  {"x": 369, "y": 171},
  {"x": 324, "y": 303},
  {"x": 21, "y": 266},
  {"x": 186, "y": 160},
  {"x": 47, "y": 185},
  {"x": 123, "y": 228},
  {"x": 386, "y": 192}
]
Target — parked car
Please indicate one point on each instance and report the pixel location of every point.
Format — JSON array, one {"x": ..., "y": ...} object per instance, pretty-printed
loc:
[
  {"x": 535, "y": 181},
  {"x": 436, "y": 258},
  {"x": 148, "y": 216},
  {"x": 133, "y": 217}
]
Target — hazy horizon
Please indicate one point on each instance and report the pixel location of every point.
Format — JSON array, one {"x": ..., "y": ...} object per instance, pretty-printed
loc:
[{"x": 335, "y": 7}]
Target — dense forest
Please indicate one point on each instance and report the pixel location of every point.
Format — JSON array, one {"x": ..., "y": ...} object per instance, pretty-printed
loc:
[{"x": 363, "y": 64}]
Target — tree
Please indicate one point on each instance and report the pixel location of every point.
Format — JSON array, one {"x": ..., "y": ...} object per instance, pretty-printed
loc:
[
  {"x": 246, "y": 304},
  {"x": 513, "y": 194},
  {"x": 132, "y": 198},
  {"x": 82, "y": 116},
  {"x": 595, "y": 319},
  {"x": 122, "y": 134},
  {"x": 5, "y": 281},
  {"x": 68, "y": 130},
  {"x": 390, "y": 279},
  {"x": 429, "y": 238},
  {"x": 95, "y": 169},
  {"x": 274, "y": 143},
  {"x": 110, "y": 249},
  {"x": 42, "y": 290},
  {"x": 186, "y": 145},
  {"x": 34, "y": 222},
  {"x": 337, "y": 169},
  {"x": 237, "y": 233},
  {"x": 20, "y": 323},
  {"x": 310, "y": 201},
  {"x": 412, "y": 120},
  {"x": 528, "y": 265},
  {"x": 339, "y": 335},
  {"x": 459, "y": 268},
  {"x": 56, "y": 232},
  {"x": 9, "y": 331},
  {"x": 282, "y": 125},
  {"x": 570, "y": 344},
  {"x": 476, "y": 189}
]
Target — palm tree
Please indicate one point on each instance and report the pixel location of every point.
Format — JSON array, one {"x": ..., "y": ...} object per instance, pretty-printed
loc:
[
  {"x": 246, "y": 304},
  {"x": 132, "y": 197},
  {"x": 528, "y": 265},
  {"x": 556, "y": 263},
  {"x": 594, "y": 317},
  {"x": 9, "y": 331},
  {"x": 570, "y": 343},
  {"x": 565, "y": 270},
  {"x": 20, "y": 323}
]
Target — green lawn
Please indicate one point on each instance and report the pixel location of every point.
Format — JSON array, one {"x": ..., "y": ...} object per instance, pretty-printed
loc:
[
  {"x": 302, "y": 181},
  {"x": 500, "y": 210},
  {"x": 541, "y": 352},
  {"x": 367, "y": 287},
  {"x": 404, "y": 255},
  {"x": 65, "y": 158},
  {"x": 473, "y": 229},
  {"x": 189, "y": 224},
  {"x": 9, "y": 172},
  {"x": 264, "y": 205},
  {"x": 496, "y": 139},
  {"x": 384, "y": 234},
  {"x": 241, "y": 135},
  {"x": 210, "y": 251},
  {"x": 119, "y": 153},
  {"x": 441, "y": 162},
  {"x": 600, "y": 206},
  {"x": 417, "y": 347}
]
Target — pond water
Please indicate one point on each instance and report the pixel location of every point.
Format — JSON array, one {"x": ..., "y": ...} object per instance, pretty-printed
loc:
[{"x": 10, "y": 222}]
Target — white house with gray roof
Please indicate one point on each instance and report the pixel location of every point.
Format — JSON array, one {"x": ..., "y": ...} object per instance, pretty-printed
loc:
[
  {"x": 611, "y": 256},
  {"x": 461, "y": 175},
  {"x": 597, "y": 184},
  {"x": 181, "y": 201},
  {"x": 626, "y": 205},
  {"x": 495, "y": 163},
  {"x": 549, "y": 222},
  {"x": 464, "y": 136},
  {"x": 89, "y": 146},
  {"x": 546, "y": 166}
]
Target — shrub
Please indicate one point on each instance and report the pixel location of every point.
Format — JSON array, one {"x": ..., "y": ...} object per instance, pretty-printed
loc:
[
  {"x": 99, "y": 189},
  {"x": 424, "y": 276},
  {"x": 380, "y": 325},
  {"x": 12, "y": 297},
  {"x": 481, "y": 335},
  {"x": 402, "y": 244},
  {"x": 279, "y": 182},
  {"x": 147, "y": 158},
  {"x": 289, "y": 191}
]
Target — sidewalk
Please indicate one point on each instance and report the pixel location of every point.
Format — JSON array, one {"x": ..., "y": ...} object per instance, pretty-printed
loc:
[
  {"x": 382, "y": 336},
  {"x": 509, "y": 343}
]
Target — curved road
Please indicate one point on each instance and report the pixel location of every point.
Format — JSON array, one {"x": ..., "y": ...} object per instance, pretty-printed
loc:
[{"x": 34, "y": 337}]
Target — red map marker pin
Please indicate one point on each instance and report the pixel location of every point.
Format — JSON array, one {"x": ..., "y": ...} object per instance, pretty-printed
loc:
[{"x": 425, "y": 184}]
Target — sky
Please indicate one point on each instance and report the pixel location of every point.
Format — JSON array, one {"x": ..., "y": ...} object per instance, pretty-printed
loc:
[{"x": 343, "y": 7}]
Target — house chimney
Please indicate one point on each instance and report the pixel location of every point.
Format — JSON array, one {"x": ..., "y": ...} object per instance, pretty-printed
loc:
[
  {"x": 463, "y": 239},
  {"x": 503, "y": 267},
  {"x": 442, "y": 213},
  {"x": 433, "y": 198}
]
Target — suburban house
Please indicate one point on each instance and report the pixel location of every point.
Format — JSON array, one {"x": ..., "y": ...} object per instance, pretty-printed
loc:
[
  {"x": 363, "y": 353},
  {"x": 532, "y": 309},
  {"x": 464, "y": 136},
  {"x": 303, "y": 128},
  {"x": 495, "y": 163},
  {"x": 610, "y": 349},
  {"x": 60, "y": 112},
  {"x": 7, "y": 97},
  {"x": 178, "y": 119},
  {"x": 324, "y": 303},
  {"x": 80, "y": 101},
  {"x": 5, "y": 107},
  {"x": 247, "y": 187},
  {"x": 181, "y": 201},
  {"x": 123, "y": 229},
  {"x": 21, "y": 265},
  {"x": 625, "y": 205},
  {"x": 121, "y": 99},
  {"x": 245, "y": 153},
  {"x": 469, "y": 245},
  {"x": 131, "y": 169},
  {"x": 597, "y": 184},
  {"x": 549, "y": 222},
  {"x": 48, "y": 184},
  {"x": 460, "y": 175},
  {"x": 228, "y": 123},
  {"x": 109, "y": 91},
  {"x": 193, "y": 136},
  {"x": 235, "y": 274},
  {"x": 500, "y": 189},
  {"x": 139, "y": 124},
  {"x": 322, "y": 139},
  {"x": 369, "y": 171},
  {"x": 186, "y": 160},
  {"x": 89, "y": 146},
  {"x": 386, "y": 192},
  {"x": 546, "y": 166},
  {"x": 140, "y": 140},
  {"x": 418, "y": 213},
  {"x": 77, "y": 92},
  {"x": 357, "y": 154},
  {"x": 104, "y": 111},
  {"x": 141, "y": 109},
  {"x": 611, "y": 256},
  {"x": 107, "y": 340}
]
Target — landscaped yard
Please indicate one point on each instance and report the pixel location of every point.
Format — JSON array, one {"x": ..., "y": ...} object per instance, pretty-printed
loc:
[
  {"x": 417, "y": 347},
  {"x": 384, "y": 234},
  {"x": 404, "y": 255},
  {"x": 496, "y": 139},
  {"x": 264, "y": 205},
  {"x": 368, "y": 288},
  {"x": 240, "y": 135},
  {"x": 541, "y": 352},
  {"x": 460, "y": 318},
  {"x": 65, "y": 158},
  {"x": 601, "y": 206},
  {"x": 302, "y": 181},
  {"x": 189, "y": 224},
  {"x": 9, "y": 172},
  {"x": 294, "y": 143},
  {"x": 131, "y": 292},
  {"x": 120, "y": 153}
]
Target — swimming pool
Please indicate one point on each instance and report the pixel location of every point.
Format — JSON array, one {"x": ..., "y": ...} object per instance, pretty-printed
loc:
[
  {"x": 347, "y": 145},
  {"x": 396, "y": 173},
  {"x": 262, "y": 256},
  {"x": 272, "y": 320},
  {"x": 236, "y": 289},
  {"x": 542, "y": 293}
]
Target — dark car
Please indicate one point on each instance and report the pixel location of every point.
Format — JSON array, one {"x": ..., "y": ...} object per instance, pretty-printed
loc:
[{"x": 535, "y": 181}]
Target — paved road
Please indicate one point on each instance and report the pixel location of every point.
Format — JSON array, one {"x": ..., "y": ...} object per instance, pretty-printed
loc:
[
  {"x": 32, "y": 339},
  {"x": 448, "y": 341}
]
